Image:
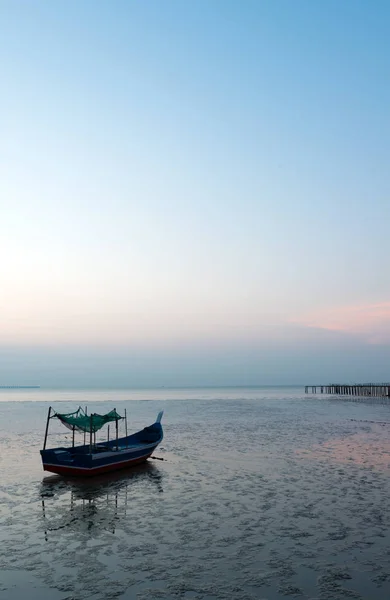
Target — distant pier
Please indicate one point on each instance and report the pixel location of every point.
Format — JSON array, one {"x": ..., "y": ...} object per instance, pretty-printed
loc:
[{"x": 379, "y": 390}]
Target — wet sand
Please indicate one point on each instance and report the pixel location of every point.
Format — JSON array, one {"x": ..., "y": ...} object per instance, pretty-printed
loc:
[{"x": 263, "y": 497}]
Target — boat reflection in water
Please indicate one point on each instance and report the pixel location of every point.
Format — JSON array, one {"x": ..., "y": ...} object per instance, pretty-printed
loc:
[{"x": 94, "y": 505}]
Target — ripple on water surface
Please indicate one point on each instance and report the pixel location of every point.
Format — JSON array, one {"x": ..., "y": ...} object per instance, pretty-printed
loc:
[{"x": 259, "y": 497}]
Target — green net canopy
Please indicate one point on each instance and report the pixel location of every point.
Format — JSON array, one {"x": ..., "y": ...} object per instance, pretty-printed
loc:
[{"x": 79, "y": 421}]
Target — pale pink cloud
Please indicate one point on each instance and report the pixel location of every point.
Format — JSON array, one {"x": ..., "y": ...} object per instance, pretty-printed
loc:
[{"x": 371, "y": 321}]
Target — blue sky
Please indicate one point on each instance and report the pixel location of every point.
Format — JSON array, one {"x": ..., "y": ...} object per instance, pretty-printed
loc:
[{"x": 201, "y": 180}]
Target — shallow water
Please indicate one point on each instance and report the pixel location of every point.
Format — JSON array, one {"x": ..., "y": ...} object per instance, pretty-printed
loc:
[{"x": 262, "y": 494}]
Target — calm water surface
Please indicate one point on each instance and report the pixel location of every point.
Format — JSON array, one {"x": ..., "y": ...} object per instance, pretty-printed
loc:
[{"x": 263, "y": 494}]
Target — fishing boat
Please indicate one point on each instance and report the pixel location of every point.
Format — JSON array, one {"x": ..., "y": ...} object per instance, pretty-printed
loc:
[{"x": 95, "y": 458}]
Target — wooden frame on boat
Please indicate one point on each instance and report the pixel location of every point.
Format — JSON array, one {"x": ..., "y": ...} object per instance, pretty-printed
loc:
[{"x": 95, "y": 458}]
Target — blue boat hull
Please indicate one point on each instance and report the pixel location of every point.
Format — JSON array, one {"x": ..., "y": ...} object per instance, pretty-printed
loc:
[{"x": 105, "y": 457}]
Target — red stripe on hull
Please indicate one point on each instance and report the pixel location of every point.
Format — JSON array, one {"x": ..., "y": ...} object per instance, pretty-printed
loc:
[{"x": 79, "y": 472}]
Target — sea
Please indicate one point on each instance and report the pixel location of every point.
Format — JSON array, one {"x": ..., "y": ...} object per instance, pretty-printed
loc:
[{"x": 263, "y": 493}]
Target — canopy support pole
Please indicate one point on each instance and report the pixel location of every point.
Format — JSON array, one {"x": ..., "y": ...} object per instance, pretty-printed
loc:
[
  {"x": 84, "y": 431},
  {"x": 73, "y": 436},
  {"x": 126, "y": 426},
  {"x": 116, "y": 430},
  {"x": 90, "y": 435},
  {"x": 47, "y": 428}
]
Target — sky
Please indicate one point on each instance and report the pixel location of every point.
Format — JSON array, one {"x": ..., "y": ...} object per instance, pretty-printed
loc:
[{"x": 194, "y": 193}]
